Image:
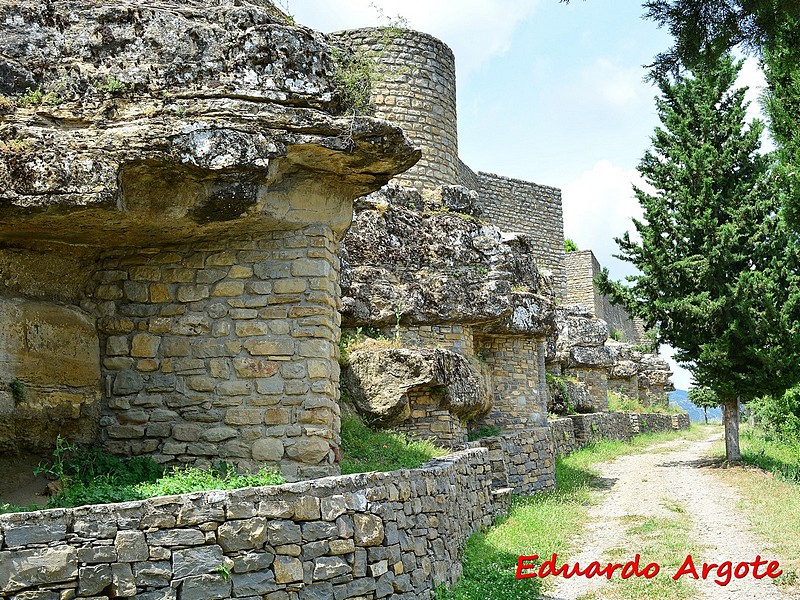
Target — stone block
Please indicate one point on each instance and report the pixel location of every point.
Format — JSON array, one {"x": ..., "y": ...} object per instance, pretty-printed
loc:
[
  {"x": 131, "y": 546},
  {"x": 310, "y": 450},
  {"x": 205, "y": 587},
  {"x": 270, "y": 347},
  {"x": 328, "y": 567},
  {"x": 268, "y": 450},
  {"x": 145, "y": 345},
  {"x": 248, "y": 368},
  {"x": 254, "y": 583},
  {"x": 228, "y": 289},
  {"x": 243, "y": 416},
  {"x": 243, "y": 534},
  {"x": 93, "y": 580},
  {"x": 368, "y": 530},
  {"x": 42, "y": 566},
  {"x": 196, "y": 561},
  {"x": 287, "y": 569}
]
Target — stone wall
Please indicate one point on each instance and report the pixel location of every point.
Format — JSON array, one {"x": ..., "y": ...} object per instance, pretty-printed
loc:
[
  {"x": 516, "y": 205},
  {"x": 563, "y": 433},
  {"x": 522, "y": 460},
  {"x": 581, "y": 270},
  {"x": 429, "y": 421},
  {"x": 375, "y": 535},
  {"x": 467, "y": 177},
  {"x": 223, "y": 350},
  {"x": 417, "y": 91},
  {"x": 577, "y": 431},
  {"x": 594, "y": 427},
  {"x": 519, "y": 388}
]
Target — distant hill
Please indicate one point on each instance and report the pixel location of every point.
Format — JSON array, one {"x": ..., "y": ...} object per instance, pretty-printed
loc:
[{"x": 681, "y": 398}]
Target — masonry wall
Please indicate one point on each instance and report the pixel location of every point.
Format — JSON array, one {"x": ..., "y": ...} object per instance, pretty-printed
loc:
[
  {"x": 417, "y": 91},
  {"x": 563, "y": 434},
  {"x": 516, "y": 205},
  {"x": 581, "y": 270},
  {"x": 223, "y": 350},
  {"x": 373, "y": 535},
  {"x": 522, "y": 460},
  {"x": 517, "y": 372}
]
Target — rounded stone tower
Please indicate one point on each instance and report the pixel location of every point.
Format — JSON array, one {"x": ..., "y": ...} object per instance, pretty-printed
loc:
[{"x": 416, "y": 90}]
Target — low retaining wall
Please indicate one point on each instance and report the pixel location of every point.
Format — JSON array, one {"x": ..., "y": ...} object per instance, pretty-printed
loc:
[
  {"x": 373, "y": 535},
  {"x": 522, "y": 460},
  {"x": 576, "y": 431}
]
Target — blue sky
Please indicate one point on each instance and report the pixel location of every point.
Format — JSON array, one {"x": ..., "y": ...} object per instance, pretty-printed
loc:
[{"x": 547, "y": 92}]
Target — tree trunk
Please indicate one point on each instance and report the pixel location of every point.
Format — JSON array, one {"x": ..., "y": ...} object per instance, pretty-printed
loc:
[
  {"x": 705, "y": 414},
  {"x": 730, "y": 416}
]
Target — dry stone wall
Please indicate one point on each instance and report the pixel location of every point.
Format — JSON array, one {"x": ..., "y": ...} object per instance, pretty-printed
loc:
[
  {"x": 376, "y": 535},
  {"x": 563, "y": 432},
  {"x": 223, "y": 350}
]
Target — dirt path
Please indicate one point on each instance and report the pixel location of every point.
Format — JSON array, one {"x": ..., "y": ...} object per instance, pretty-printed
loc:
[{"x": 653, "y": 484}]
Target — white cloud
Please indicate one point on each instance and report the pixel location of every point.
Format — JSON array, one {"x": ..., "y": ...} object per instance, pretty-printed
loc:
[
  {"x": 476, "y": 30},
  {"x": 598, "y": 206},
  {"x": 612, "y": 84}
]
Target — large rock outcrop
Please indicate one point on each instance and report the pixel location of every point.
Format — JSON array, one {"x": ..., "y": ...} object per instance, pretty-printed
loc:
[{"x": 181, "y": 174}]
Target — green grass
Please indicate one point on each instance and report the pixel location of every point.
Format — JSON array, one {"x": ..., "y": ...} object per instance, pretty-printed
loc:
[
  {"x": 483, "y": 431},
  {"x": 770, "y": 494},
  {"x": 364, "y": 449},
  {"x": 662, "y": 540},
  {"x": 542, "y": 524},
  {"x": 90, "y": 476}
]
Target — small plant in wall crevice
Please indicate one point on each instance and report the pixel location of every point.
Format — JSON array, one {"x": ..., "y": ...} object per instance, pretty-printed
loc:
[{"x": 18, "y": 391}]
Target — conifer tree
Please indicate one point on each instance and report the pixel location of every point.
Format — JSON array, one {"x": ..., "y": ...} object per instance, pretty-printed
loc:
[{"x": 718, "y": 267}]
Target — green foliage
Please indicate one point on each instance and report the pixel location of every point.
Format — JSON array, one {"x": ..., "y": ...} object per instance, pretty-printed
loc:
[
  {"x": 705, "y": 398},
  {"x": 222, "y": 477},
  {"x": 782, "y": 104},
  {"x": 90, "y": 476},
  {"x": 650, "y": 343},
  {"x": 709, "y": 29},
  {"x": 781, "y": 457},
  {"x": 559, "y": 391},
  {"x": 365, "y": 449},
  {"x": 37, "y": 97},
  {"x": 779, "y": 415},
  {"x": 354, "y": 77},
  {"x": 483, "y": 431},
  {"x": 112, "y": 85},
  {"x": 570, "y": 246},
  {"x": 720, "y": 274},
  {"x": 616, "y": 334},
  {"x": 18, "y": 391}
]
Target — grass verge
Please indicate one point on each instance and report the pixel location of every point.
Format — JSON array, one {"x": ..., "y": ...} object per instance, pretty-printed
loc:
[
  {"x": 544, "y": 523},
  {"x": 770, "y": 496},
  {"x": 364, "y": 449}
]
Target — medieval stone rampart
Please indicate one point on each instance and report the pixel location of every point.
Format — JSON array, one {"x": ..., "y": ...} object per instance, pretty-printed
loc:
[{"x": 417, "y": 91}]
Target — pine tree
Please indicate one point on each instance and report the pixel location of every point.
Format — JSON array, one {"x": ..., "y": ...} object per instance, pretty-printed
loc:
[
  {"x": 718, "y": 267},
  {"x": 704, "y": 398}
]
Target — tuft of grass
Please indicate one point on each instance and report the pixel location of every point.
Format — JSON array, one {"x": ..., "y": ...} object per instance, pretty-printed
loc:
[
  {"x": 37, "y": 97},
  {"x": 365, "y": 449},
  {"x": 544, "y": 523},
  {"x": 483, "y": 431},
  {"x": 192, "y": 479}
]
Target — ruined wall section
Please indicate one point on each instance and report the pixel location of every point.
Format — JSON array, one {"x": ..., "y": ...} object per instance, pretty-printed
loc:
[
  {"x": 223, "y": 350},
  {"x": 532, "y": 209},
  {"x": 582, "y": 268},
  {"x": 416, "y": 90}
]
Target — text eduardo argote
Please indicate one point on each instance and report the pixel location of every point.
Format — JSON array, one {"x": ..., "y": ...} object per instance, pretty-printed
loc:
[{"x": 721, "y": 573}]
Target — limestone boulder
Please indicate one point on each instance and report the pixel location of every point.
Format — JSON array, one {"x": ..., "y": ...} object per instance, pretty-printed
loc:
[
  {"x": 176, "y": 119},
  {"x": 379, "y": 382},
  {"x": 436, "y": 267}
]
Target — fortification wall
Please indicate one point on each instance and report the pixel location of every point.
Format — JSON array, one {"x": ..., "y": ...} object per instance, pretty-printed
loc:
[
  {"x": 223, "y": 350},
  {"x": 581, "y": 270},
  {"x": 374, "y": 535},
  {"x": 416, "y": 90},
  {"x": 526, "y": 207}
]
